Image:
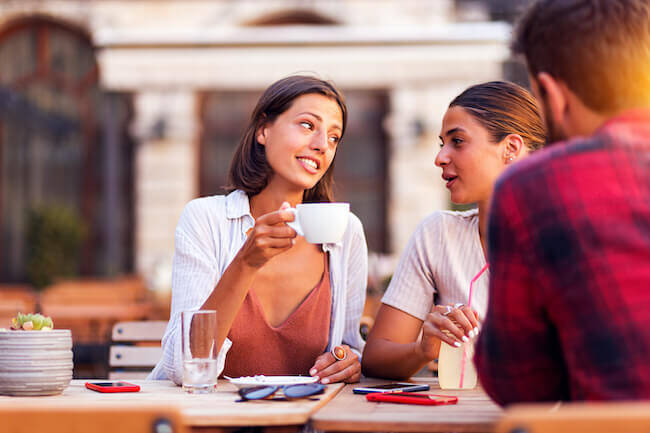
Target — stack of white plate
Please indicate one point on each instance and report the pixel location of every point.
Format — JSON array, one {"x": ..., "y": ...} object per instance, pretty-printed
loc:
[{"x": 35, "y": 362}]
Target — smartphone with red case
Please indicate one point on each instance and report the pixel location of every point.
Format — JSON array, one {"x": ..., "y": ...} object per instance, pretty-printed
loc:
[
  {"x": 113, "y": 386},
  {"x": 412, "y": 398}
]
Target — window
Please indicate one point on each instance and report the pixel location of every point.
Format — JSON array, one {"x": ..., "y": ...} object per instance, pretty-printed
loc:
[{"x": 62, "y": 141}]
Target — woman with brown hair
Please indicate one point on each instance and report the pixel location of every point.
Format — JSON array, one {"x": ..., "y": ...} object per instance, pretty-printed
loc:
[
  {"x": 486, "y": 128},
  {"x": 283, "y": 305}
]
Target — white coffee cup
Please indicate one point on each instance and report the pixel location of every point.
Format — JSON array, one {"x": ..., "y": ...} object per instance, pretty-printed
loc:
[{"x": 320, "y": 223}]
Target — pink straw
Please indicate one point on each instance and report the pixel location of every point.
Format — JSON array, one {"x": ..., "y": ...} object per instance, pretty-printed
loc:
[{"x": 469, "y": 304}]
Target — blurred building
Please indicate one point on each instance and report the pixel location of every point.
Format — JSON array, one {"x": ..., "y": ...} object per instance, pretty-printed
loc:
[
  {"x": 497, "y": 10},
  {"x": 125, "y": 110}
]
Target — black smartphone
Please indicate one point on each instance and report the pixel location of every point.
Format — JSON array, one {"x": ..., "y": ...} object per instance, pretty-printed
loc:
[{"x": 391, "y": 387}]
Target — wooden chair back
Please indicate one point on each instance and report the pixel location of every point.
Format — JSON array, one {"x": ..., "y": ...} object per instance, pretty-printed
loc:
[
  {"x": 591, "y": 417},
  {"x": 113, "y": 417},
  {"x": 135, "y": 349}
]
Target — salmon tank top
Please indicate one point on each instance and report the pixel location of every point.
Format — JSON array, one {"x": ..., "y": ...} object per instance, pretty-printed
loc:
[{"x": 289, "y": 349}]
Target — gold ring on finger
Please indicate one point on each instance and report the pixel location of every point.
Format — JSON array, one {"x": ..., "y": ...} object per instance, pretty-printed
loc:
[{"x": 448, "y": 310}]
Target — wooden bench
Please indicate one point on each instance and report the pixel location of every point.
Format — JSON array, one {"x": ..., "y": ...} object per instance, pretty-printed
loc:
[{"x": 90, "y": 307}]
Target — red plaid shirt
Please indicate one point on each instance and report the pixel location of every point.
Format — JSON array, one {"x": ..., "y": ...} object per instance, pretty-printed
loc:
[{"x": 569, "y": 246}]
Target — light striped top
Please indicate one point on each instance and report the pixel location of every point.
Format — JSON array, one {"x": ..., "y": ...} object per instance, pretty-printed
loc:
[
  {"x": 209, "y": 234},
  {"x": 442, "y": 257}
]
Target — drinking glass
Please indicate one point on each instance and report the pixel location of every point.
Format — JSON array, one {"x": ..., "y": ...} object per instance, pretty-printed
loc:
[{"x": 199, "y": 340}]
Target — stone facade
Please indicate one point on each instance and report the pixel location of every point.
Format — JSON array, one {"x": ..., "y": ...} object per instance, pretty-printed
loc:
[{"x": 165, "y": 51}]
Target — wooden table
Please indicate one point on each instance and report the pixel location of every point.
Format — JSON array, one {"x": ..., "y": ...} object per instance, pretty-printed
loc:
[
  {"x": 207, "y": 412},
  {"x": 349, "y": 412}
]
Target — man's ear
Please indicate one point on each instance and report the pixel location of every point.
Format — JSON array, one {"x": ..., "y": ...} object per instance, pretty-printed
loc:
[{"x": 553, "y": 95}]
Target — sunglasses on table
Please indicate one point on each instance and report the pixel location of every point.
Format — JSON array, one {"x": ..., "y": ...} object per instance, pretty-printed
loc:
[{"x": 289, "y": 392}]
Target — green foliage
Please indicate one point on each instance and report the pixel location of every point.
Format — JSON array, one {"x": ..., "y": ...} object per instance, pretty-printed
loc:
[{"x": 54, "y": 237}]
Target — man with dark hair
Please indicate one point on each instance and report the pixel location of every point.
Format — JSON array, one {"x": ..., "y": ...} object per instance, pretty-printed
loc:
[{"x": 569, "y": 232}]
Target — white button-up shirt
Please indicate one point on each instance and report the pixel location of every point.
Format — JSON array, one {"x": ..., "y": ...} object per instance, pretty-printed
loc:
[{"x": 209, "y": 234}]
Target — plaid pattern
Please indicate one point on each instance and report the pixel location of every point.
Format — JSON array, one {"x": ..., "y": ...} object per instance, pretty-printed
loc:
[{"x": 569, "y": 246}]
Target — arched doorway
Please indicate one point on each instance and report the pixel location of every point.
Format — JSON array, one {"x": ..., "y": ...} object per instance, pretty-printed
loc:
[{"x": 63, "y": 142}]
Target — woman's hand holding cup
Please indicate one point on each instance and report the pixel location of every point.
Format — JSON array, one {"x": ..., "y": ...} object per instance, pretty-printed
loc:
[{"x": 269, "y": 237}]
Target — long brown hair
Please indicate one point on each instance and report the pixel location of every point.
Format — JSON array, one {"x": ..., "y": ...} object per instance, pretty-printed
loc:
[
  {"x": 504, "y": 108},
  {"x": 249, "y": 169}
]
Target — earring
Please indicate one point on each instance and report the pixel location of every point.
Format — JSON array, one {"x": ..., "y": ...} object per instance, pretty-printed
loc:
[{"x": 509, "y": 158}]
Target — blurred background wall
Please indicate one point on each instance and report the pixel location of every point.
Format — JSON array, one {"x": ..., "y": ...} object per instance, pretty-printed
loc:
[{"x": 123, "y": 111}]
